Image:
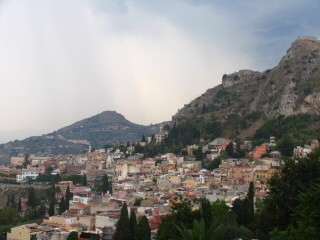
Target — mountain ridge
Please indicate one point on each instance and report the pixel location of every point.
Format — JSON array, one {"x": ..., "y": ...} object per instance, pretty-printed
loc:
[
  {"x": 291, "y": 87},
  {"x": 108, "y": 127}
]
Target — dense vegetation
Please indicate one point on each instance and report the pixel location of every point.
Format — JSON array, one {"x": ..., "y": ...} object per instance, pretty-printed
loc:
[
  {"x": 211, "y": 221},
  {"x": 11, "y": 215},
  {"x": 290, "y": 132}
]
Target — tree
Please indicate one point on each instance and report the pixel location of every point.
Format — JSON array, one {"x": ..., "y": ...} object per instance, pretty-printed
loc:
[
  {"x": 19, "y": 205},
  {"x": 266, "y": 155},
  {"x": 132, "y": 224},
  {"x": 85, "y": 182},
  {"x": 286, "y": 146},
  {"x": 199, "y": 154},
  {"x": 12, "y": 202},
  {"x": 230, "y": 149},
  {"x": 73, "y": 236},
  {"x": 105, "y": 183},
  {"x": 200, "y": 232},
  {"x": 250, "y": 197},
  {"x": 32, "y": 201},
  {"x": 207, "y": 214},
  {"x": 204, "y": 109},
  {"x": 137, "y": 201},
  {"x": 26, "y": 160},
  {"x": 143, "y": 229},
  {"x": 9, "y": 216},
  {"x": 214, "y": 164},
  {"x": 123, "y": 226},
  {"x": 75, "y": 178},
  {"x": 143, "y": 138},
  {"x": 8, "y": 201},
  {"x": 182, "y": 215},
  {"x": 245, "y": 208},
  {"x": 51, "y": 211},
  {"x": 308, "y": 217},
  {"x": 224, "y": 154},
  {"x": 68, "y": 197},
  {"x": 222, "y": 225},
  {"x": 284, "y": 194},
  {"x": 62, "y": 206}
]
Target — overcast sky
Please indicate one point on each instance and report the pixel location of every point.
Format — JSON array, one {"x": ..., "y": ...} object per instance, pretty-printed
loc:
[{"x": 63, "y": 61}]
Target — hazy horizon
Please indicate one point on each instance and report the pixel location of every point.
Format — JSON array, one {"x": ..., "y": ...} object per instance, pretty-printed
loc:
[{"x": 64, "y": 61}]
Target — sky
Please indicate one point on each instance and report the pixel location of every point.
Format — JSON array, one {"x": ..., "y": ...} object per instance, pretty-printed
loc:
[{"x": 64, "y": 61}]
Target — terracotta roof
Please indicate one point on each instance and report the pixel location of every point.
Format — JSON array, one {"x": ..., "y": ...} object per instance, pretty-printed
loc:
[
  {"x": 93, "y": 203},
  {"x": 87, "y": 216},
  {"x": 75, "y": 225},
  {"x": 52, "y": 224},
  {"x": 63, "y": 230},
  {"x": 80, "y": 204},
  {"x": 46, "y": 229},
  {"x": 73, "y": 211}
]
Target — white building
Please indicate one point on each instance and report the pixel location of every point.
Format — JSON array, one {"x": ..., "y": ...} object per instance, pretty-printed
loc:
[{"x": 26, "y": 174}]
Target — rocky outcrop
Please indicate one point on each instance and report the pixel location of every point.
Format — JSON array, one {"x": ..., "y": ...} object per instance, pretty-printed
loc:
[
  {"x": 292, "y": 87},
  {"x": 239, "y": 77}
]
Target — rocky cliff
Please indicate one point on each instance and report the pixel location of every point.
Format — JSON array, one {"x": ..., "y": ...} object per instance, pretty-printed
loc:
[{"x": 292, "y": 87}]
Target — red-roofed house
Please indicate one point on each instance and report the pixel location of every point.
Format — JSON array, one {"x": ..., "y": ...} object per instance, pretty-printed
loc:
[{"x": 78, "y": 205}]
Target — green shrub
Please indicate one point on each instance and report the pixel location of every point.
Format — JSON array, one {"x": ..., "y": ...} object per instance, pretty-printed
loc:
[{"x": 289, "y": 71}]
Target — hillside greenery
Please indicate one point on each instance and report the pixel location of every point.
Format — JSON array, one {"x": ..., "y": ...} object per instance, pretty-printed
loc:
[{"x": 290, "y": 132}]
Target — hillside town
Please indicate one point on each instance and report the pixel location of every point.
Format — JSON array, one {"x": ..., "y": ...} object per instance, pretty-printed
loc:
[{"x": 147, "y": 186}]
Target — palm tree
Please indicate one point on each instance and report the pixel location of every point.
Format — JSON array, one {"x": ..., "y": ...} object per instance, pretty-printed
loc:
[{"x": 199, "y": 231}]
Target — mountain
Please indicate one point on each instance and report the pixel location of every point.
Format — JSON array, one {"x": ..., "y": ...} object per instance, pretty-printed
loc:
[
  {"x": 292, "y": 87},
  {"x": 108, "y": 127}
]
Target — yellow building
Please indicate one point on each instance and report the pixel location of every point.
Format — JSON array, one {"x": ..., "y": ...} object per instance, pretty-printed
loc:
[{"x": 24, "y": 232}]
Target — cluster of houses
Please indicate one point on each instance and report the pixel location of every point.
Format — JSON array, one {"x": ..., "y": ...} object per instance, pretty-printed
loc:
[{"x": 147, "y": 186}]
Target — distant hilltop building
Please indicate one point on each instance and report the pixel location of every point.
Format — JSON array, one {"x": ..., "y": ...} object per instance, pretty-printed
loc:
[
  {"x": 161, "y": 135},
  {"x": 309, "y": 38}
]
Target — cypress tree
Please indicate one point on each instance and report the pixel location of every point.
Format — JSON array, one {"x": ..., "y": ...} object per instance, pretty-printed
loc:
[
  {"x": 12, "y": 202},
  {"x": 51, "y": 207},
  {"x": 250, "y": 197},
  {"x": 199, "y": 154},
  {"x": 204, "y": 109},
  {"x": 62, "y": 205},
  {"x": 124, "y": 232},
  {"x": 117, "y": 232},
  {"x": 105, "y": 183},
  {"x": 110, "y": 186},
  {"x": 85, "y": 182},
  {"x": 207, "y": 214},
  {"x": 245, "y": 208},
  {"x": 31, "y": 198},
  {"x": 143, "y": 138},
  {"x": 132, "y": 224},
  {"x": 19, "y": 205},
  {"x": 68, "y": 197},
  {"x": 143, "y": 230},
  {"x": 8, "y": 201}
]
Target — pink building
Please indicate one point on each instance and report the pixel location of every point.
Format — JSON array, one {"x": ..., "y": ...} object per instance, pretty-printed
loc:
[
  {"x": 240, "y": 174},
  {"x": 121, "y": 195},
  {"x": 78, "y": 189}
]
